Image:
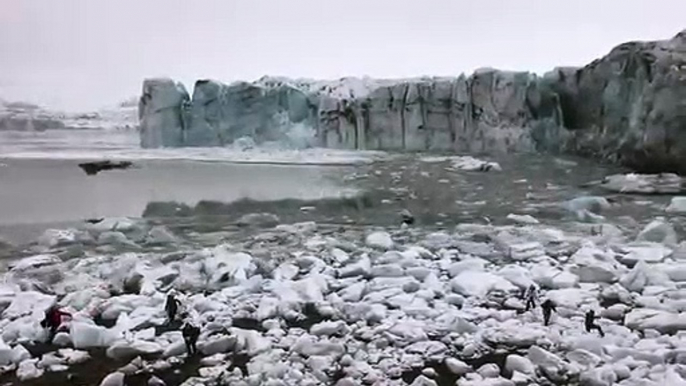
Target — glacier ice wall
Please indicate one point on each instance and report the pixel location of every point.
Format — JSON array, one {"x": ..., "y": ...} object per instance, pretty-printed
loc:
[
  {"x": 491, "y": 110},
  {"x": 628, "y": 107}
]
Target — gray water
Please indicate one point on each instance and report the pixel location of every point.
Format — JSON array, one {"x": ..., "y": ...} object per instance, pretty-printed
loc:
[{"x": 51, "y": 192}]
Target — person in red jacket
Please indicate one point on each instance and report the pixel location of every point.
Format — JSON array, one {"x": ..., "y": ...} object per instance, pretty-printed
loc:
[{"x": 53, "y": 319}]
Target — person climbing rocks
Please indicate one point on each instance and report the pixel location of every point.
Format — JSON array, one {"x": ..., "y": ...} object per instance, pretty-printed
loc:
[
  {"x": 171, "y": 307},
  {"x": 531, "y": 297},
  {"x": 53, "y": 319},
  {"x": 190, "y": 334},
  {"x": 548, "y": 307},
  {"x": 590, "y": 325}
]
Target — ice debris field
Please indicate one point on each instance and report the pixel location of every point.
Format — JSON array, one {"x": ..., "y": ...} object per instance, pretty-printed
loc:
[{"x": 309, "y": 304}]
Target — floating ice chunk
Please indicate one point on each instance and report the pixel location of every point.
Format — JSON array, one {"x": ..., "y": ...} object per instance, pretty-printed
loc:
[
  {"x": 469, "y": 163},
  {"x": 678, "y": 205},
  {"x": 379, "y": 240},
  {"x": 593, "y": 204},
  {"x": 663, "y": 183},
  {"x": 659, "y": 231},
  {"x": 473, "y": 283},
  {"x": 522, "y": 219}
]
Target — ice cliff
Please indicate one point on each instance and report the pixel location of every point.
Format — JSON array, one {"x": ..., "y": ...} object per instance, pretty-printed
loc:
[
  {"x": 627, "y": 106},
  {"x": 630, "y": 106}
]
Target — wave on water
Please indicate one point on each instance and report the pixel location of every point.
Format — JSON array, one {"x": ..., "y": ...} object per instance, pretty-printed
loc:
[{"x": 123, "y": 145}]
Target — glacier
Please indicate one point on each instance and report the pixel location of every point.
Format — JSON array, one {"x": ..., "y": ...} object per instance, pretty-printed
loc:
[{"x": 626, "y": 107}]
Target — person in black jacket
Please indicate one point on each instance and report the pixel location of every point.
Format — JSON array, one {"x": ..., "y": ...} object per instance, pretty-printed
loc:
[
  {"x": 171, "y": 307},
  {"x": 589, "y": 323},
  {"x": 548, "y": 307},
  {"x": 190, "y": 336}
]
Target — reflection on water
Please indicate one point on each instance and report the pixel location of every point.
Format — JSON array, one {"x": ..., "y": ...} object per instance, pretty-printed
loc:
[{"x": 40, "y": 191}]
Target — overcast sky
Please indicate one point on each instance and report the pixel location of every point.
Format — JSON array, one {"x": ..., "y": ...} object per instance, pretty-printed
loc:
[{"x": 83, "y": 54}]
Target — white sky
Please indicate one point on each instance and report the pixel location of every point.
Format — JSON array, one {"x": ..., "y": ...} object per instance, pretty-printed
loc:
[{"x": 84, "y": 54}]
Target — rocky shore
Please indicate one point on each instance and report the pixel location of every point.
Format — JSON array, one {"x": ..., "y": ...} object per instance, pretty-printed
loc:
[{"x": 310, "y": 303}]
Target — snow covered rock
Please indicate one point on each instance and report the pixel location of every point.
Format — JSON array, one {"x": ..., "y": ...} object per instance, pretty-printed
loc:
[
  {"x": 662, "y": 321},
  {"x": 457, "y": 367},
  {"x": 550, "y": 364},
  {"x": 123, "y": 350},
  {"x": 28, "y": 370},
  {"x": 646, "y": 251},
  {"x": 521, "y": 364},
  {"x": 472, "y": 283},
  {"x": 641, "y": 276},
  {"x": 87, "y": 335},
  {"x": 593, "y": 265},
  {"x": 362, "y": 267},
  {"x": 113, "y": 379},
  {"x": 379, "y": 240}
]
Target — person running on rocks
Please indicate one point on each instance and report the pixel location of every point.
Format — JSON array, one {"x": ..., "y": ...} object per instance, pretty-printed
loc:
[
  {"x": 531, "y": 296},
  {"x": 171, "y": 307},
  {"x": 53, "y": 320},
  {"x": 590, "y": 325},
  {"x": 548, "y": 307},
  {"x": 190, "y": 335}
]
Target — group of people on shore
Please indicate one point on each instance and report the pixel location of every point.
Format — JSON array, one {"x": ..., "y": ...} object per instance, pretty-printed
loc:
[
  {"x": 55, "y": 317},
  {"x": 548, "y": 306}
]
